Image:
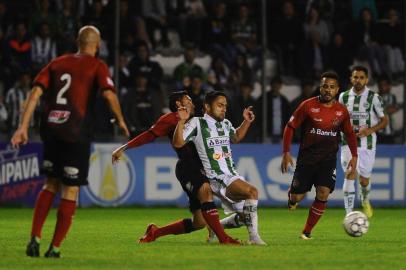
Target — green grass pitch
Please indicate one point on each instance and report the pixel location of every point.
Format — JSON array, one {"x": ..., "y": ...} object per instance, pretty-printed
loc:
[{"x": 107, "y": 239}]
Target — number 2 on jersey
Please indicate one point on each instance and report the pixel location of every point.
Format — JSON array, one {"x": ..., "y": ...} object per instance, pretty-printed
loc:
[{"x": 59, "y": 98}]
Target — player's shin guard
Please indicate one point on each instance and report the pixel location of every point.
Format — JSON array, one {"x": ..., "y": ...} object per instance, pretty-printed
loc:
[
  {"x": 65, "y": 214},
  {"x": 251, "y": 217},
  {"x": 349, "y": 195},
  {"x": 41, "y": 210},
  {"x": 315, "y": 213},
  {"x": 232, "y": 221},
  {"x": 211, "y": 216}
]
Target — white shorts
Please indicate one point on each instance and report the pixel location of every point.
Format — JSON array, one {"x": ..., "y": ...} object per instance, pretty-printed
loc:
[
  {"x": 219, "y": 186},
  {"x": 366, "y": 160}
]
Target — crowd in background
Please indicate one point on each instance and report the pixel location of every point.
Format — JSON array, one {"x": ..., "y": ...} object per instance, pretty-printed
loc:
[{"x": 304, "y": 38}]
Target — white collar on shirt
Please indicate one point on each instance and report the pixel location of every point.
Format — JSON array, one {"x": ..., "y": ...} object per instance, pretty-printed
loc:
[
  {"x": 210, "y": 119},
  {"x": 366, "y": 90}
]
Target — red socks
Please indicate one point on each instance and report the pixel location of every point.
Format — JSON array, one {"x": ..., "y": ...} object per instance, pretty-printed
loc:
[
  {"x": 66, "y": 211},
  {"x": 177, "y": 227},
  {"x": 315, "y": 213},
  {"x": 211, "y": 216},
  {"x": 41, "y": 210}
]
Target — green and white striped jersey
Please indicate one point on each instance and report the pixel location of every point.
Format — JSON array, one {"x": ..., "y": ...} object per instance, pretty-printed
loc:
[
  {"x": 212, "y": 141},
  {"x": 365, "y": 111}
]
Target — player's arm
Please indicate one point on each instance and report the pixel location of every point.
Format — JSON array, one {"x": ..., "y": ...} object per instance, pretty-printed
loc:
[
  {"x": 242, "y": 130},
  {"x": 159, "y": 129},
  {"x": 352, "y": 143},
  {"x": 114, "y": 104},
  {"x": 294, "y": 122},
  {"x": 21, "y": 134},
  {"x": 178, "y": 137},
  {"x": 378, "y": 108}
]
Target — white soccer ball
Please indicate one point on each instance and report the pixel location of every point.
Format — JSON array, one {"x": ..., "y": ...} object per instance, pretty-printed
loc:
[{"x": 356, "y": 224}]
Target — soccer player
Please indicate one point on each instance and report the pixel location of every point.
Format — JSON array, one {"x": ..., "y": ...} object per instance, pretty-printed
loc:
[
  {"x": 68, "y": 85},
  {"x": 188, "y": 172},
  {"x": 367, "y": 116},
  {"x": 211, "y": 135},
  {"x": 321, "y": 118}
]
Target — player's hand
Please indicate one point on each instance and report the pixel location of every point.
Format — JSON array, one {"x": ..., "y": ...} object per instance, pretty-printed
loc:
[
  {"x": 352, "y": 165},
  {"x": 248, "y": 114},
  {"x": 19, "y": 137},
  {"x": 286, "y": 161},
  {"x": 117, "y": 154},
  {"x": 183, "y": 113},
  {"x": 364, "y": 132},
  {"x": 123, "y": 126}
]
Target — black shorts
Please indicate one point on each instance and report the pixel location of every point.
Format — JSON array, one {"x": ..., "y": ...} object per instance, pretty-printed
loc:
[
  {"x": 191, "y": 178},
  {"x": 321, "y": 174},
  {"x": 66, "y": 161}
]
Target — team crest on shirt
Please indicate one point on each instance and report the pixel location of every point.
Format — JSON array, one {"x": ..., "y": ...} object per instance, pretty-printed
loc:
[
  {"x": 58, "y": 117},
  {"x": 339, "y": 113},
  {"x": 336, "y": 122},
  {"x": 366, "y": 105}
]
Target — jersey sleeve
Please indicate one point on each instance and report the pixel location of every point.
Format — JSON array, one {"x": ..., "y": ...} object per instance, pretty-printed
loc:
[
  {"x": 190, "y": 130},
  {"x": 43, "y": 78},
  {"x": 298, "y": 116},
  {"x": 164, "y": 125},
  {"x": 105, "y": 82},
  {"x": 231, "y": 128},
  {"x": 378, "y": 105}
]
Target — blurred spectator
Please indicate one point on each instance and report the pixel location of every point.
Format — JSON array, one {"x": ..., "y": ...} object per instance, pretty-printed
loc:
[
  {"x": 96, "y": 14},
  {"x": 3, "y": 116},
  {"x": 387, "y": 135},
  {"x": 141, "y": 63},
  {"x": 326, "y": 9},
  {"x": 187, "y": 17},
  {"x": 212, "y": 83},
  {"x": 68, "y": 25},
  {"x": 5, "y": 20},
  {"x": 197, "y": 93},
  {"x": 43, "y": 48},
  {"x": 241, "y": 71},
  {"x": 339, "y": 58},
  {"x": 358, "y": 5},
  {"x": 154, "y": 12},
  {"x": 44, "y": 14},
  {"x": 313, "y": 57},
  {"x": 393, "y": 40},
  {"x": 221, "y": 72},
  {"x": 217, "y": 33},
  {"x": 278, "y": 110},
  {"x": 244, "y": 32},
  {"x": 288, "y": 34},
  {"x": 15, "y": 101},
  {"x": 315, "y": 25},
  {"x": 188, "y": 68},
  {"x": 18, "y": 51},
  {"x": 238, "y": 103},
  {"x": 124, "y": 76},
  {"x": 137, "y": 105},
  {"x": 365, "y": 37}
]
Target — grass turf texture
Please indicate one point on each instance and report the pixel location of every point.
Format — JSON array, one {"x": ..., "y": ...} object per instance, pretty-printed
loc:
[{"x": 106, "y": 239}]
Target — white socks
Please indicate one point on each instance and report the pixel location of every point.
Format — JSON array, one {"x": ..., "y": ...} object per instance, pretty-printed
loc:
[
  {"x": 365, "y": 192},
  {"x": 251, "y": 218},
  {"x": 349, "y": 195}
]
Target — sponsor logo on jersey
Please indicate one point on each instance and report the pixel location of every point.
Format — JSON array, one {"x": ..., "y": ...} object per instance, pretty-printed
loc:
[
  {"x": 339, "y": 113},
  {"x": 219, "y": 155},
  {"x": 359, "y": 115},
  {"x": 318, "y": 119},
  {"x": 218, "y": 141},
  {"x": 58, "y": 117},
  {"x": 110, "y": 81},
  {"x": 315, "y": 110},
  {"x": 109, "y": 185},
  {"x": 323, "y": 132},
  {"x": 366, "y": 105}
]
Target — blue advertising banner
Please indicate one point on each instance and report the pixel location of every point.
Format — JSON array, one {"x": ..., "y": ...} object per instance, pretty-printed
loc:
[
  {"x": 146, "y": 176},
  {"x": 20, "y": 179}
]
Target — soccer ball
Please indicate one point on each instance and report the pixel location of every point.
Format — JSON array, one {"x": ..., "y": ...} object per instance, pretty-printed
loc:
[{"x": 356, "y": 224}]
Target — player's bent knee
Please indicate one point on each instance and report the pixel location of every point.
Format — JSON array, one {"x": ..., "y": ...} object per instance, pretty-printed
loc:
[
  {"x": 52, "y": 185},
  {"x": 70, "y": 192},
  {"x": 253, "y": 193}
]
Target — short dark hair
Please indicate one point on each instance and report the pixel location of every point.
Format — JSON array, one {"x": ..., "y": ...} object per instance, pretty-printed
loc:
[
  {"x": 331, "y": 75},
  {"x": 359, "y": 68},
  {"x": 175, "y": 96},
  {"x": 212, "y": 95}
]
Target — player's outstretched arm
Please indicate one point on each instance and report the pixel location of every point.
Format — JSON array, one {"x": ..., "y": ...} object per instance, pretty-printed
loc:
[
  {"x": 114, "y": 104},
  {"x": 242, "y": 130},
  {"x": 21, "y": 134}
]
